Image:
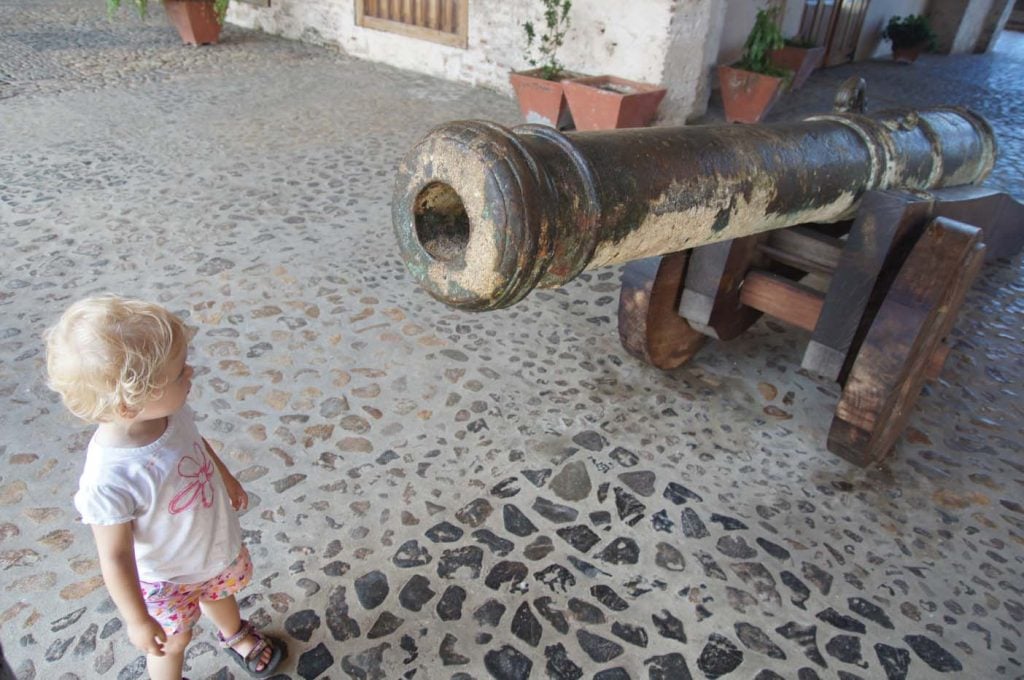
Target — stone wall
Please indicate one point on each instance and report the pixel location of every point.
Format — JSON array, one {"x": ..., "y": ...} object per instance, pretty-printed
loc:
[{"x": 656, "y": 41}]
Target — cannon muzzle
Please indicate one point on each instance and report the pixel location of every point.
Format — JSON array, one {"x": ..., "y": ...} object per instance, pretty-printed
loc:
[{"x": 484, "y": 214}]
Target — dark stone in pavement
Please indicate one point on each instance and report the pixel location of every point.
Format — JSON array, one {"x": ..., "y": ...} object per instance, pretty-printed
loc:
[
  {"x": 869, "y": 611},
  {"x": 572, "y": 483},
  {"x": 506, "y": 572},
  {"x": 846, "y": 648},
  {"x": 449, "y": 607},
  {"x": 508, "y": 663},
  {"x": 371, "y": 589},
  {"x": 411, "y": 554},
  {"x": 640, "y": 482},
  {"x": 525, "y": 625},
  {"x": 719, "y": 657},
  {"x": 692, "y": 525},
  {"x": 553, "y": 616},
  {"x": 679, "y": 494},
  {"x": 468, "y": 557},
  {"x": 474, "y": 513},
  {"x": 895, "y": 661},
  {"x": 585, "y": 612},
  {"x": 735, "y": 547},
  {"x": 806, "y": 637},
  {"x": 620, "y": 551},
  {"x": 668, "y": 558},
  {"x": 560, "y": 666},
  {"x": 579, "y": 536},
  {"x": 342, "y": 626},
  {"x": 539, "y": 548},
  {"x": 773, "y": 549},
  {"x": 516, "y": 523},
  {"x": 933, "y": 654},
  {"x": 554, "y": 512},
  {"x": 668, "y": 667},
  {"x": 669, "y": 626},
  {"x": 841, "y": 621},
  {"x": 416, "y": 593},
  {"x": 556, "y": 577},
  {"x": 445, "y": 532},
  {"x": 301, "y": 624},
  {"x": 630, "y": 509},
  {"x": 366, "y": 665},
  {"x": 386, "y": 624},
  {"x": 757, "y": 640},
  {"x": 449, "y": 657},
  {"x": 537, "y": 477},
  {"x": 633, "y": 634},
  {"x": 314, "y": 662},
  {"x": 800, "y": 591},
  {"x": 596, "y": 647},
  {"x": 617, "y": 673},
  {"x": 727, "y": 523},
  {"x": 497, "y": 545},
  {"x": 609, "y": 598},
  {"x": 489, "y": 612}
]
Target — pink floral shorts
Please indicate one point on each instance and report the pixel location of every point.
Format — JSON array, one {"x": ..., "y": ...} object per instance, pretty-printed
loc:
[{"x": 175, "y": 606}]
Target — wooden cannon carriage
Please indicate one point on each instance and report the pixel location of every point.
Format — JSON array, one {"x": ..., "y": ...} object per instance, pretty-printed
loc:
[{"x": 721, "y": 224}]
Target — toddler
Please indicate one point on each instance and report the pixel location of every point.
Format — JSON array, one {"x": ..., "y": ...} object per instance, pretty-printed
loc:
[{"x": 160, "y": 503}]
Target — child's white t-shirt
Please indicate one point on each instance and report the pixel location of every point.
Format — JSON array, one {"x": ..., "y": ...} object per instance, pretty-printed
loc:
[{"x": 184, "y": 527}]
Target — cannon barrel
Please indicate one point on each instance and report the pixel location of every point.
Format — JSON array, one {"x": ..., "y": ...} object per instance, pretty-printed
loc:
[{"x": 484, "y": 214}]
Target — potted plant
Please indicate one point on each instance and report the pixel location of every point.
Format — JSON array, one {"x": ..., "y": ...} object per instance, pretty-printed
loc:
[
  {"x": 539, "y": 90},
  {"x": 800, "y": 56},
  {"x": 909, "y": 35},
  {"x": 751, "y": 86},
  {"x": 198, "y": 22},
  {"x": 608, "y": 102}
]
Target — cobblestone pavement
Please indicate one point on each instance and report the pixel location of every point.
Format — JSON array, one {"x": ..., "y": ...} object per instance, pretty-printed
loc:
[{"x": 445, "y": 495}]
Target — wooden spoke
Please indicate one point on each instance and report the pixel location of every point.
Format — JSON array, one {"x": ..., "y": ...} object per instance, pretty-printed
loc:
[
  {"x": 650, "y": 327},
  {"x": 904, "y": 345}
]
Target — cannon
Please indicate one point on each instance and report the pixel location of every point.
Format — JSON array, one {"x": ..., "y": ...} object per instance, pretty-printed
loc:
[
  {"x": 864, "y": 230},
  {"x": 484, "y": 214}
]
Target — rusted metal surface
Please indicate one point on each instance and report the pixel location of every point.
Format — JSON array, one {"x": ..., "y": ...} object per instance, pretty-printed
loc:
[{"x": 484, "y": 214}]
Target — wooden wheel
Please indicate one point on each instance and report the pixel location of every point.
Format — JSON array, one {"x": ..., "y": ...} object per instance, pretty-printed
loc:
[
  {"x": 650, "y": 327},
  {"x": 904, "y": 341}
]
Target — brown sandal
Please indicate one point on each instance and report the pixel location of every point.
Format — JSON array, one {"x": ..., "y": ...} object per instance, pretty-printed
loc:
[{"x": 251, "y": 661}]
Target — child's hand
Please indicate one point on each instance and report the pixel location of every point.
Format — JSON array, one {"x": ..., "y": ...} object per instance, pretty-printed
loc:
[
  {"x": 236, "y": 494},
  {"x": 148, "y": 636}
]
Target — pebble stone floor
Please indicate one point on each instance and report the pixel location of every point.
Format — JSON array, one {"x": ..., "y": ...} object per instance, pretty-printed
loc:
[{"x": 443, "y": 495}]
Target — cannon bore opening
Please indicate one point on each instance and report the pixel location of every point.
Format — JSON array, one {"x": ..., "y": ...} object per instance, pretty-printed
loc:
[{"x": 442, "y": 226}]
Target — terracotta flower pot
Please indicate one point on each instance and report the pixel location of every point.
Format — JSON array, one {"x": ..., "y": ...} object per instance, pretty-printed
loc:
[
  {"x": 802, "y": 61},
  {"x": 907, "y": 55},
  {"x": 195, "y": 20},
  {"x": 542, "y": 101},
  {"x": 747, "y": 96},
  {"x": 607, "y": 102}
]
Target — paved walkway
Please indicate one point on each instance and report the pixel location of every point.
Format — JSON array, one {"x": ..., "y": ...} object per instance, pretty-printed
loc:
[{"x": 445, "y": 495}]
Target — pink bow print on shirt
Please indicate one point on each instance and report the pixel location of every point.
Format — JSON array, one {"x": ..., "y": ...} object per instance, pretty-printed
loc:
[{"x": 200, "y": 470}]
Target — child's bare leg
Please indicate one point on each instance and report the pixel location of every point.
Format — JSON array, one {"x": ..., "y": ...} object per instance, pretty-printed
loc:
[
  {"x": 225, "y": 615},
  {"x": 168, "y": 666}
]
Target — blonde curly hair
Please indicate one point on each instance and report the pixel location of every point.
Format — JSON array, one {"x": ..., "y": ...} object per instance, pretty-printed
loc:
[{"x": 106, "y": 354}]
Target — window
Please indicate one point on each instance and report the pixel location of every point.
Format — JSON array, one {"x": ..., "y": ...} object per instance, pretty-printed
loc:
[{"x": 442, "y": 21}]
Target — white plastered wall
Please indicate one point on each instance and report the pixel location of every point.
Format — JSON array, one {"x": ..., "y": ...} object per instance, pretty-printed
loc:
[{"x": 639, "y": 40}]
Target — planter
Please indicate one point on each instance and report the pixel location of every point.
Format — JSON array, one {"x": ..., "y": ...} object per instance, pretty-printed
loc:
[
  {"x": 542, "y": 101},
  {"x": 747, "y": 96},
  {"x": 802, "y": 61},
  {"x": 908, "y": 55},
  {"x": 195, "y": 20},
  {"x": 607, "y": 102}
]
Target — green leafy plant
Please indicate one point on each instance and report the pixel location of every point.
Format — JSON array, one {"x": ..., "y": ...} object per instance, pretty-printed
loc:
[
  {"x": 909, "y": 31},
  {"x": 542, "y": 47},
  {"x": 219, "y": 6},
  {"x": 764, "y": 37}
]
